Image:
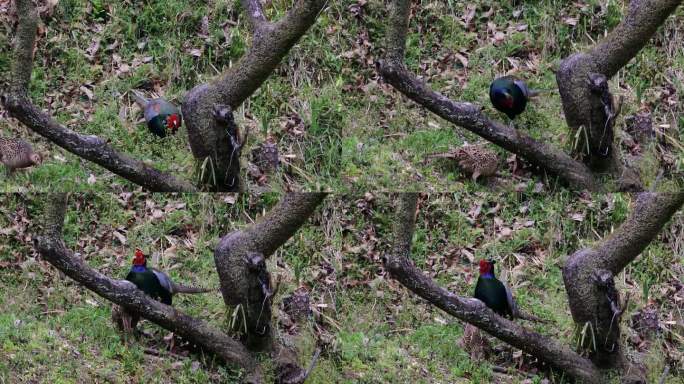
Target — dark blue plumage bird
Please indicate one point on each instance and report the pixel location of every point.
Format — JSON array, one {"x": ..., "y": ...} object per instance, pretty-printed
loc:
[
  {"x": 510, "y": 95},
  {"x": 156, "y": 284},
  {"x": 493, "y": 292},
  {"x": 160, "y": 115}
]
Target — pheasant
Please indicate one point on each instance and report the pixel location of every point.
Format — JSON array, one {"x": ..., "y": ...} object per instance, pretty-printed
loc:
[
  {"x": 475, "y": 343},
  {"x": 493, "y": 292},
  {"x": 496, "y": 295},
  {"x": 17, "y": 153},
  {"x": 160, "y": 115},
  {"x": 475, "y": 160},
  {"x": 155, "y": 284},
  {"x": 510, "y": 95}
]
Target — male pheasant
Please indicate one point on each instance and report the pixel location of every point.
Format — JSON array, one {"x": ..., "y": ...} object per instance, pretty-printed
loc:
[
  {"x": 156, "y": 284},
  {"x": 160, "y": 115},
  {"x": 510, "y": 95},
  {"x": 493, "y": 292}
]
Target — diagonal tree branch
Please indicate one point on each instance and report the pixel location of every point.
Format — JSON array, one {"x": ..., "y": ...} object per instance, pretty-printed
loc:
[
  {"x": 240, "y": 262},
  {"x": 51, "y": 247},
  {"x": 631, "y": 35},
  {"x": 94, "y": 148},
  {"x": 469, "y": 116},
  {"x": 474, "y": 311},
  {"x": 650, "y": 213},
  {"x": 588, "y": 274},
  {"x": 272, "y": 41},
  {"x": 88, "y": 147}
]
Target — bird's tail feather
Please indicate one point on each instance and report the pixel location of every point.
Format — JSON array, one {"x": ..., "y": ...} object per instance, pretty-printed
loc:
[
  {"x": 536, "y": 92},
  {"x": 179, "y": 288},
  {"x": 443, "y": 155},
  {"x": 526, "y": 316},
  {"x": 139, "y": 98}
]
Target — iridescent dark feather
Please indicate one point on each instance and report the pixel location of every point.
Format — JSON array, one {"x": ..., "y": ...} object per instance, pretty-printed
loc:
[
  {"x": 160, "y": 115},
  {"x": 493, "y": 292},
  {"x": 509, "y": 95},
  {"x": 148, "y": 282}
]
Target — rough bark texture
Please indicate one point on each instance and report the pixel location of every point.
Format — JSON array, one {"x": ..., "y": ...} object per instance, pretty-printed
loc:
[
  {"x": 474, "y": 311},
  {"x": 241, "y": 282},
  {"x": 469, "y": 116},
  {"x": 584, "y": 111},
  {"x": 88, "y": 147},
  {"x": 588, "y": 275},
  {"x": 631, "y": 35},
  {"x": 272, "y": 41},
  {"x": 121, "y": 292},
  {"x": 24, "y": 41}
]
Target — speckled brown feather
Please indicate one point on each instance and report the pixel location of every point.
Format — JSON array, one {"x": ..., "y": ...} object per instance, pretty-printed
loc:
[
  {"x": 474, "y": 160},
  {"x": 475, "y": 343},
  {"x": 17, "y": 153},
  {"x": 477, "y": 161}
]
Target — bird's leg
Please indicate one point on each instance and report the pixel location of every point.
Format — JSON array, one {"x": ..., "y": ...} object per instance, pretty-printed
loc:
[
  {"x": 511, "y": 125},
  {"x": 9, "y": 171},
  {"x": 475, "y": 175},
  {"x": 172, "y": 343}
]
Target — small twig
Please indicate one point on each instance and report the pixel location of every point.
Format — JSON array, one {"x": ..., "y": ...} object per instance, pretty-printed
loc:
[
  {"x": 529, "y": 317},
  {"x": 51, "y": 312},
  {"x": 500, "y": 369},
  {"x": 312, "y": 364},
  {"x": 157, "y": 352}
]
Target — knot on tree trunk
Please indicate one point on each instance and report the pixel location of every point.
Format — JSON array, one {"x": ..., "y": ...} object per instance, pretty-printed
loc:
[
  {"x": 589, "y": 110},
  {"x": 214, "y": 139},
  {"x": 598, "y": 85},
  {"x": 258, "y": 304}
]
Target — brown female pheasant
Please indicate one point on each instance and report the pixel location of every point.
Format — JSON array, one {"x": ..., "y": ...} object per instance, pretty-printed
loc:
[
  {"x": 17, "y": 153},
  {"x": 474, "y": 160}
]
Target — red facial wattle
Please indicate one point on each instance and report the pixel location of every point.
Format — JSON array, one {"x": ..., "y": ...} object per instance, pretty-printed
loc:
[
  {"x": 484, "y": 267},
  {"x": 139, "y": 258},
  {"x": 173, "y": 122}
]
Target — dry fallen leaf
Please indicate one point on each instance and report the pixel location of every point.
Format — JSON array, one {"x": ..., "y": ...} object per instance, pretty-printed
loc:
[
  {"x": 197, "y": 52},
  {"x": 577, "y": 216},
  {"x": 570, "y": 21},
  {"x": 120, "y": 237}
]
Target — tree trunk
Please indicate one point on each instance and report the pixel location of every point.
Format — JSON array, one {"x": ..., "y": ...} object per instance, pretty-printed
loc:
[
  {"x": 241, "y": 263},
  {"x": 589, "y": 277}
]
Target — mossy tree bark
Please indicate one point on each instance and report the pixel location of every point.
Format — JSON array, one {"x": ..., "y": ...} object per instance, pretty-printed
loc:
[{"x": 588, "y": 275}]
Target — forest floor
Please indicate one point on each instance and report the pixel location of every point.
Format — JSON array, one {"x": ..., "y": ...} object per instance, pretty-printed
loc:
[
  {"x": 370, "y": 329},
  {"x": 337, "y": 126}
]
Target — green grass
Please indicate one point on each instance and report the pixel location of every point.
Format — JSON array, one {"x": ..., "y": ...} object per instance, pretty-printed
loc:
[
  {"x": 351, "y": 131},
  {"x": 372, "y": 329}
]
